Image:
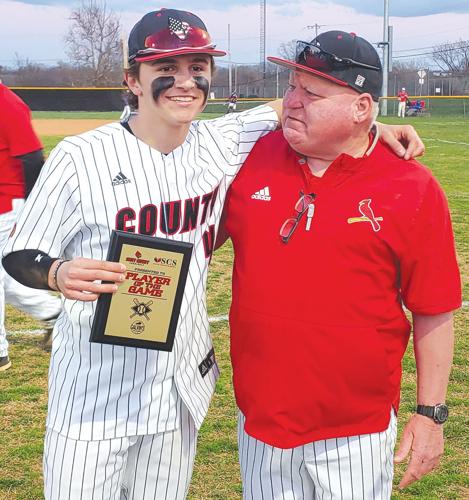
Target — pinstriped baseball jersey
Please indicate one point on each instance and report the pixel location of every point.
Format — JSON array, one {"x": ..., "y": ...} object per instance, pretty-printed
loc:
[{"x": 108, "y": 179}]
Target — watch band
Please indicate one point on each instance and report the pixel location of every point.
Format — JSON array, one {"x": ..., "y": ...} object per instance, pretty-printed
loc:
[
  {"x": 427, "y": 411},
  {"x": 438, "y": 413}
]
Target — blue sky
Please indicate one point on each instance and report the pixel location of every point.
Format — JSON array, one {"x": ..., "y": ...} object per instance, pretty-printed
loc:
[
  {"x": 35, "y": 29},
  {"x": 404, "y": 8}
]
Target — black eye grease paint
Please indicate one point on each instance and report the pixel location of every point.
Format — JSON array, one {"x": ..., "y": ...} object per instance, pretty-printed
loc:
[
  {"x": 160, "y": 84},
  {"x": 202, "y": 84},
  {"x": 163, "y": 83}
]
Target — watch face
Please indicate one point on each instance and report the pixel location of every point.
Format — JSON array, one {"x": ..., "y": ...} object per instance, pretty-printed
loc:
[{"x": 441, "y": 413}]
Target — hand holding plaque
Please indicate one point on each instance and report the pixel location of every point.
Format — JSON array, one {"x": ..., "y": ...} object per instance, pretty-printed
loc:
[{"x": 145, "y": 310}]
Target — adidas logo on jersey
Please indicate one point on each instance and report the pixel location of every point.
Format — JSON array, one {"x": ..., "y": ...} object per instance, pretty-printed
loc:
[
  {"x": 120, "y": 178},
  {"x": 262, "y": 194}
]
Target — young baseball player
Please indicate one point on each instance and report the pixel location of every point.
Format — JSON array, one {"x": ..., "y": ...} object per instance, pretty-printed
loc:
[
  {"x": 21, "y": 160},
  {"x": 402, "y": 97},
  {"x": 347, "y": 234},
  {"x": 124, "y": 421},
  {"x": 232, "y": 103}
]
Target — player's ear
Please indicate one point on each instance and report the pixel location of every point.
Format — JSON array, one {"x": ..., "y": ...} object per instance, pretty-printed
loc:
[
  {"x": 131, "y": 79},
  {"x": 362, "y": 108}
]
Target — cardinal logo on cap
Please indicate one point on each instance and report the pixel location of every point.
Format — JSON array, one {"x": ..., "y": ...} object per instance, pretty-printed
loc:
[{"x": 178, "y": 28}]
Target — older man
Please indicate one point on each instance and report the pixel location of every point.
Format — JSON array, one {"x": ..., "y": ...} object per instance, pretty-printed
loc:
[{"x": 332, "y": 234}]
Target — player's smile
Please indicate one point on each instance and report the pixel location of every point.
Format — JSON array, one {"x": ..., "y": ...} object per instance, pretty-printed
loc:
[{"x": 183, "y": 100}]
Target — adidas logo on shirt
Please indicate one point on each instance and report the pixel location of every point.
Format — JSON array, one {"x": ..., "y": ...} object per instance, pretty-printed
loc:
[
  {"x": 262, "y": 194},
  {"x": 120, "y": 178}
]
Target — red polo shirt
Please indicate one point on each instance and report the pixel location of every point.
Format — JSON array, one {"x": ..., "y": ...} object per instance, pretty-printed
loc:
[
  {"x": 17, "y": 138},
  {"x": 317, "y": 327}
]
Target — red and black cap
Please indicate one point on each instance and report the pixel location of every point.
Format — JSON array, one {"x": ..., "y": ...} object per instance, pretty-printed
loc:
[
  {"x": 169, "y": 32},
  {"x": 343, "y": 58}
]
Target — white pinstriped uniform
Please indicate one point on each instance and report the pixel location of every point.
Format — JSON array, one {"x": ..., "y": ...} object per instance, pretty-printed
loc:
[
  {"x": 104, "y": 392},
  {"x": 346, "y": 468},
  {"x": 156, "y": 466}
]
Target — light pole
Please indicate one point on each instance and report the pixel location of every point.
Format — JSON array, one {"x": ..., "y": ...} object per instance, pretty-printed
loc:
[
  {"x": 385, "y": 44},
  {"x": 315, "y": 27},
  {"x": 229, "y": 63}
]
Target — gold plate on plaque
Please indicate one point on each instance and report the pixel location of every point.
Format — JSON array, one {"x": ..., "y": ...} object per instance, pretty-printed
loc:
[{"x": 145, "y": 310}]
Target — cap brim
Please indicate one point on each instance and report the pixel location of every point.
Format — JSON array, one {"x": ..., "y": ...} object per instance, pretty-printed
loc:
[
  {"x": 293, "y": 65},
  {"x": 179, "y": 52}
]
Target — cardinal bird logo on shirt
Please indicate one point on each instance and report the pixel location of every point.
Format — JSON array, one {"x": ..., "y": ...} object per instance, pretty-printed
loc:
[
  {"x": 364, "y": 207},
  {"x": 178, "y": 28}
]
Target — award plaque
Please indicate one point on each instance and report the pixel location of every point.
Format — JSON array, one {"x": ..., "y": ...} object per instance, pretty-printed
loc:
[{"x": 144, "y": 311}]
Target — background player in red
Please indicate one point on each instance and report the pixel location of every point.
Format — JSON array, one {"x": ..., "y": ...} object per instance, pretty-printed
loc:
[
  {"x": 403, "y": 97},
  {"x": 232, "y": 103},
  {"x": 347, "y": 233},
  {"x": 21, "y": 160}
]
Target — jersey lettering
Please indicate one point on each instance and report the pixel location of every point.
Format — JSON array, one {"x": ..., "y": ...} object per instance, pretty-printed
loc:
[
  {"x": 172, "y": 217},
  {"x": 206, "y": 199},
  {"x": 124, "y": 218},
  {"x": 147, "y": 220},
  {"x": 191, "y": 212},
  {"x": 209, "y": 240}
]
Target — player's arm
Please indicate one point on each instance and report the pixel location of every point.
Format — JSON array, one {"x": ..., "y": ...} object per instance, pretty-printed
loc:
[
  {"x": 77, "y": 279},
  {"x": 276, "y": 105},
  {"x": 32, "y": 163},
  {"x": 402, "y": 139},
  {"x": 222, "y": 234},
  {"x": 423, "y": 438}
]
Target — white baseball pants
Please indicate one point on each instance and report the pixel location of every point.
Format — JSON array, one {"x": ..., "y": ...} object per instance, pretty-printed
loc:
[
  {"x": 151, "y": 467},
  {"x": 356, "y": 467},
  {"x": 401, "y": 110}
]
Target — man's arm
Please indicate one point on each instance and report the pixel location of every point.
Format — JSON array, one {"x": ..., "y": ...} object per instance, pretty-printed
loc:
[
  {"x": 433, "y": 348},
  {"x": 32, "y": 164}
]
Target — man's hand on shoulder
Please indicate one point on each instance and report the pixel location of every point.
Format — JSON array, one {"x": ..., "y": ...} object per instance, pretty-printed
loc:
[
  {"x": 402, "y": 139},
  {"x": 424, "y": 440}
]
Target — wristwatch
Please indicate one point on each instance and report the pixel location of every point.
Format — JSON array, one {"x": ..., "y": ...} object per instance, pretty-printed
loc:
[{"x": 438, "y": 413}]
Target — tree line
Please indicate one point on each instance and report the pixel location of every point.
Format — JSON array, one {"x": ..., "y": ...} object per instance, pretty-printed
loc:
[{"x": 95, "y": 58}]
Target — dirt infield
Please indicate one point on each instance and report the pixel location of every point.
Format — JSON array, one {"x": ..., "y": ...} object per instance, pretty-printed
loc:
[{"x": 65, "y": 127}]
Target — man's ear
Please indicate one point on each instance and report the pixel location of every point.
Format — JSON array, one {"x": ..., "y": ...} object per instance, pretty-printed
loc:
[
  {"x": 132, "y": 83},
  {"x": 362, "y": 108}
]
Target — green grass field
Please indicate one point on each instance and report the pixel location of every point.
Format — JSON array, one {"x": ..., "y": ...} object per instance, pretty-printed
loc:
[{"x": 216, "y": 476}]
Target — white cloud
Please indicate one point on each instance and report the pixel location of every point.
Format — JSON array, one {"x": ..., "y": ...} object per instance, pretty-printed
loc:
[
  {"x": 31, "y": 31},
  {"x": 37, "y": 31}
]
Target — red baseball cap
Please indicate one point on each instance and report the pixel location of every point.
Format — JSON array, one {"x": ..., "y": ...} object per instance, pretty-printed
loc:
[{"x": 169, "y": 32}]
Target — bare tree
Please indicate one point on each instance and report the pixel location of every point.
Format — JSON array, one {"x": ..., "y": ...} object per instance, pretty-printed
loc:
[
  {"x": 452, "y": 57},
  {"x": 287, "y": 50},
  {"x": 94, "y": 43}
]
